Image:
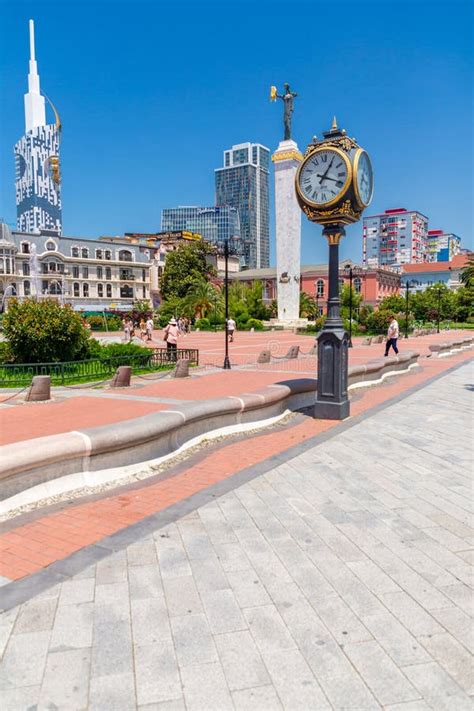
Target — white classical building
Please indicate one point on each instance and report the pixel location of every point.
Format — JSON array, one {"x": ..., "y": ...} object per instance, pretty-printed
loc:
[{"x": 91, "y": 275}]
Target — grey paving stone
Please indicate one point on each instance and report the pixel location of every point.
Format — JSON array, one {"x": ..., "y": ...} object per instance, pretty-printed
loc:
[
  {"x": 112, "y": 693},
  {"x": 156, "y": 673},
  {"x": 150, "y": 620},
  {"x": 72, "y": 626},
  {"x": 417, "y": 620},
  {"x": 182, "y": 597},
  {"x": 112, "y": 569},
  {"x": 24, "y": 660},
  {"x": 259, "y": 698},
  {"x": 340, "y": 620},
  {"x": 399, "y": 644},
  {"x": 248, "y": 588},
  {"x": 241, "y": 661},
  {"x": 458, "y": 623},
  {"x": 461, "y": 595},
  {"x": 144, "y": 581},
  {"x": 36, "y": 616},
  {"x": 77, "y": 590},
  {"x": 383, "y": 678},
  {"x": 142, "y": 553},
  {"x": 208, "y": 573},
  {"x": 66, "y": 680},
  {"x": 294, "y": 681},
  {"x": 112, "y": 642},
  {"x": 111, "y": 593},
  {"x": 454, "y": 659},
  {"x": 222, "y": 611},
  {"x": 409, "y": 706},
  {"x": 373, "y": 577},
  {"x": 173, "y": 563},
  {"x": 232, "y": 557},
  {"x": 205, "y": 688},
  {"x": 174, "y": 705},
  {"x": 193, "y": 640},
  {"x": 347, "y": 691},
  {"x": 25, "y": 697},
  {"x": 437, "y": 687},
  {"x": 268, "y": 629}
]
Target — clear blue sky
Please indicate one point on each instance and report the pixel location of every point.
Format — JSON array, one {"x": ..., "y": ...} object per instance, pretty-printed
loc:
[{"x": 151, "y": 93}]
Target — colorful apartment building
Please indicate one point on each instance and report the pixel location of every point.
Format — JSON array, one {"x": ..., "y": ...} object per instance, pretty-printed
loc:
[
  {"x": 442, "y": 247},
  {"x": 395, "y": 237}
]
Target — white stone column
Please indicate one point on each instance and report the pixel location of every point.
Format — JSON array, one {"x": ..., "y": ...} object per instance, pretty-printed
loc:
[{"x": 288, "y": 232}]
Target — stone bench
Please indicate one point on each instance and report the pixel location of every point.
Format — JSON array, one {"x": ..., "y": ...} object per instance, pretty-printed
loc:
[
  {"x": 377, "y": 370},
  {"x": 440, "y": 350}
]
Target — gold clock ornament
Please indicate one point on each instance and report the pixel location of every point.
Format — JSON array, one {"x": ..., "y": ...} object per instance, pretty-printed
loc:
[{"x": 334, "y": 182}]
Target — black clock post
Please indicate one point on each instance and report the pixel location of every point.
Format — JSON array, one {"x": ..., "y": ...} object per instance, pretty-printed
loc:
[{"x": 332, "y": 401}]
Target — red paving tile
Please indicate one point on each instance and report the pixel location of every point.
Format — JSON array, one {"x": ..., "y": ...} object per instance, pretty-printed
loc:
[
  {"x": 41, "y": 419},
  {"x": 56, "y": 535}
]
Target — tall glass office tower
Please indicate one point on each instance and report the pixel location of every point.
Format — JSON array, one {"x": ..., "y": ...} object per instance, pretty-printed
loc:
[
  {"x": 215, "y": 224},
  {"x": 243, "y": 184},
  {"x": 37, "y": 182}
]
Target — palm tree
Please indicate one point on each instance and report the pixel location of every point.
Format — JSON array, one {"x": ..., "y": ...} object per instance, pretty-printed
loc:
[
  {"x": 308, "y": 306},
  {"x": 202, "y": 297},
  {"x": 467, "y": 274}
]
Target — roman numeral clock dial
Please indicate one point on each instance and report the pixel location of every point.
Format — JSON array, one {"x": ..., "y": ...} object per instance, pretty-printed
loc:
[{"x": 324, "y": 177}]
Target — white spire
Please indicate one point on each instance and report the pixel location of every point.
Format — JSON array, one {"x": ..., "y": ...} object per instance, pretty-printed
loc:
[{"x": 35, "y": 113}]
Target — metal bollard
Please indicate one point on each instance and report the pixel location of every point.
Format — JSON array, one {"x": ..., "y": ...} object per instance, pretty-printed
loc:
[
  {"x": 122, "y": 377},
  {"x": 40, "y": 389}
]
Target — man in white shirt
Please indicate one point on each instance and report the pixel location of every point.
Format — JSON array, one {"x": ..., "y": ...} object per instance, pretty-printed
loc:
[
  {"x": 149, "y": 329},
  {"x": 392, "y": 335},
  {"x": 231, "y": 328}
]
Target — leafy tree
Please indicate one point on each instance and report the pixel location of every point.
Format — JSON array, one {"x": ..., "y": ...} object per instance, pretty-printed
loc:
[
  {"x": 44, "y": 332},
  {"x": 202, "y": 298},
  {"x": 254, "y": 301},
  {"x": 308, "y": 306},
  {"x": 394, "y": 303},
  {"x": 464, "y": 304},
  {"x": 184, "y": 267}
]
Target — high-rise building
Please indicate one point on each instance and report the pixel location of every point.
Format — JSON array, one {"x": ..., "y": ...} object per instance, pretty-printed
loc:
[
  {"x": 395, "y": 237},
  {"x": 243, "y": 183},
  {"x": 214, "y": 224},
  {"x": 37, "y": 182},
  {"x": 442, "y": 247}
]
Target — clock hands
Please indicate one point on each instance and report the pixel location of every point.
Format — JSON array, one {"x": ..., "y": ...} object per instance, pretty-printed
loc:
[
  {"x": 323, "y": 177},
  {"x": 328, "y": 178}
]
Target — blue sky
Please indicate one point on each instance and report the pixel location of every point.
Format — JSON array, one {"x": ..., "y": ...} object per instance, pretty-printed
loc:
[{"x": 151, "y": 93}]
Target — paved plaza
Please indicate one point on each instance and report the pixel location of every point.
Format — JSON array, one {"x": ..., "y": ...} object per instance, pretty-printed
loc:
[{"x": 338, "y": 578}]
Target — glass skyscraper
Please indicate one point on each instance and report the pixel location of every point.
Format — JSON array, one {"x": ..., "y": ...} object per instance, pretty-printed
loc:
[
  {"x": 243, "y": 183},
  {"x": 215, "y": 224}
]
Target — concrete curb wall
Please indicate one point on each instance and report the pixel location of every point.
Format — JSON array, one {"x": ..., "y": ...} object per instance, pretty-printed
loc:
[
  {"x": 445, "y": 349},
  {"x": 29, "y": 463}
]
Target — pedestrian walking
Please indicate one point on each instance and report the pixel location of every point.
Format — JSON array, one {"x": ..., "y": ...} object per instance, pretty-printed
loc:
[
  {"x": 149, "y": 328},
  {"x": 142, "y": 329},
  {"x": 231, "y": 329},
  {"x": 392, "y": 335},
  {"x": 170, "y": 337},
  {"x": 126, "y": 330}
]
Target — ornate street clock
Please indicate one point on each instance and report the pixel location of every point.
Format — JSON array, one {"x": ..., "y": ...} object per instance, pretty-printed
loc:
[{"x": 334, "y": 182}]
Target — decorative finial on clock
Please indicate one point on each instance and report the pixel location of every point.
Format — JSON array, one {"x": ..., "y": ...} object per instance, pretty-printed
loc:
[{"x": 334, "y": 124}]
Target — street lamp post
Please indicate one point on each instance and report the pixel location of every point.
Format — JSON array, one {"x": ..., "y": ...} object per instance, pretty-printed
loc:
[
  {"x": 439, "y": 305},
  {"x": 228, "y": 246},
  {"x": 408, "y": 284},
  {"x": 349, "y": 267}
]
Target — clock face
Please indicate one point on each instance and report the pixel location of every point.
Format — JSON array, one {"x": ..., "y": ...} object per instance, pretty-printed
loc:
[
  {"x": 324, "y": 177},
  {"x": 364, "y": 179}
]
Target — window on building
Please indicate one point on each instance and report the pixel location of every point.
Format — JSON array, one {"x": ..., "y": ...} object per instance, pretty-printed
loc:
[
  {"x": 320, "y": 287},
  {"x": 341, "y": 284},
  {"x": 126, "y": 291},
  {"x": 25, "y": 247},
  {"x": 160, "y": 271},
  {"x": 75, "y": 251},
  {"x": 75, "y": 272},
  {"x": 85, "y": 272},
  {"x": 26, "y": 288},
  {"x": 143, "y": 275},
  {"x": 108, "y": 273},
  {"x": 52, "y": 266},
  {"x": 144, "y": 291},
  {"x": 125, "y": 255},
  {"x": 108, "y": 254},
  {"x": 100, "y": 290},
  {"x": 85, "y": 253},
  {"x": 55, "y": 288},
  {"x": 358, "y": 284},
  {"x": 26, "y": 269},
  {"x": 100, "y": 272},
  {"x": 44, "y": 268},
  {"x": 85, "y": 290},
  {"x": 75, "y": 289},
  {"x": 44, "y": 286},
  {"x": 108, "y": 288},
  {"x": 50, "y": 246},
  {"x": 98, "y": 254}
]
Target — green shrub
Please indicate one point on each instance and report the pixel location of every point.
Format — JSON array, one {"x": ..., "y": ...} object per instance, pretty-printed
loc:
[
  {"x": 255, "y": 323},
  {"x": 44, "y": 332},
  {"x": 203, "y": 324},
  {"x": 5, "y": 352},
  {"x": 319, "y": 323},
  {"x": 109, "y": 323},
  {"x": 242, "y": 319}
]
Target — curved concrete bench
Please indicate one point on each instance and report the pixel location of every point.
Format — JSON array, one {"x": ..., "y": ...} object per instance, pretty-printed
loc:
[
  {"x": 447, "y": 348},
  {"x": 27, "y": 464}
]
